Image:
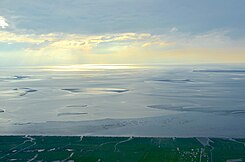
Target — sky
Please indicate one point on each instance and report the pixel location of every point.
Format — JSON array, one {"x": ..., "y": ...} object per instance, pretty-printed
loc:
[{"x": 65, "y": 32}]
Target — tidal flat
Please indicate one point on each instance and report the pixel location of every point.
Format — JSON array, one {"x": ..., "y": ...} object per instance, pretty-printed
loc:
[{"x": 145, "y": 101}]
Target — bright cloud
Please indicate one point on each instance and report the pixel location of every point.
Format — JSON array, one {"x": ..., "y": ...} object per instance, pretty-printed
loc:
[
  {"x": 60, "y": 48},
  {"x": 80, "y": 42},
  {"x": 8, "y": 37},
  {"x": 3, "y": 23}
]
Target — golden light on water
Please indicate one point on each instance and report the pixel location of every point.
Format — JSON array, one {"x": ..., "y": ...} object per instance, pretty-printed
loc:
[{"x": 93, "y": 67}]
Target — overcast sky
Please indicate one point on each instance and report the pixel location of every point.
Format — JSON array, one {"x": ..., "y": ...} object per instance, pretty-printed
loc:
[{"x": 51, "y": 32}]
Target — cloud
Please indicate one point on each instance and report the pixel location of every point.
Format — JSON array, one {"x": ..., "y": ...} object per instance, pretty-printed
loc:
[
  {"x": 9, "y": 37},
  {"x": 95, "y": 17},
  {"x": 3, "y": 23},
  {"x": 214, "y": 39},
  {"x": 172, "y": 47},
  {"x": 174, "y": 29},
  {"x": 81, "y": 42},
  {"x": 172, "y": 40}
]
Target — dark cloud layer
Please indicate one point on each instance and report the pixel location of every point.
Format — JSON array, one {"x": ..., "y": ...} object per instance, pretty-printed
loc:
[{"x": 110, "y": 16}]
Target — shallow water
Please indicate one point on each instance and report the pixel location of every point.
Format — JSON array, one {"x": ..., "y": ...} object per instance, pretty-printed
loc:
[{"x": 123, "y": 97}]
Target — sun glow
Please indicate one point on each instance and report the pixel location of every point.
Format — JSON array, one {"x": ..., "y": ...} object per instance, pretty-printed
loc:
[{"x": 93, "y": 67}]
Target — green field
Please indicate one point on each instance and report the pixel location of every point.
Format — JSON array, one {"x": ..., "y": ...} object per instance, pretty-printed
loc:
[{"x": 109, "y": 149}]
